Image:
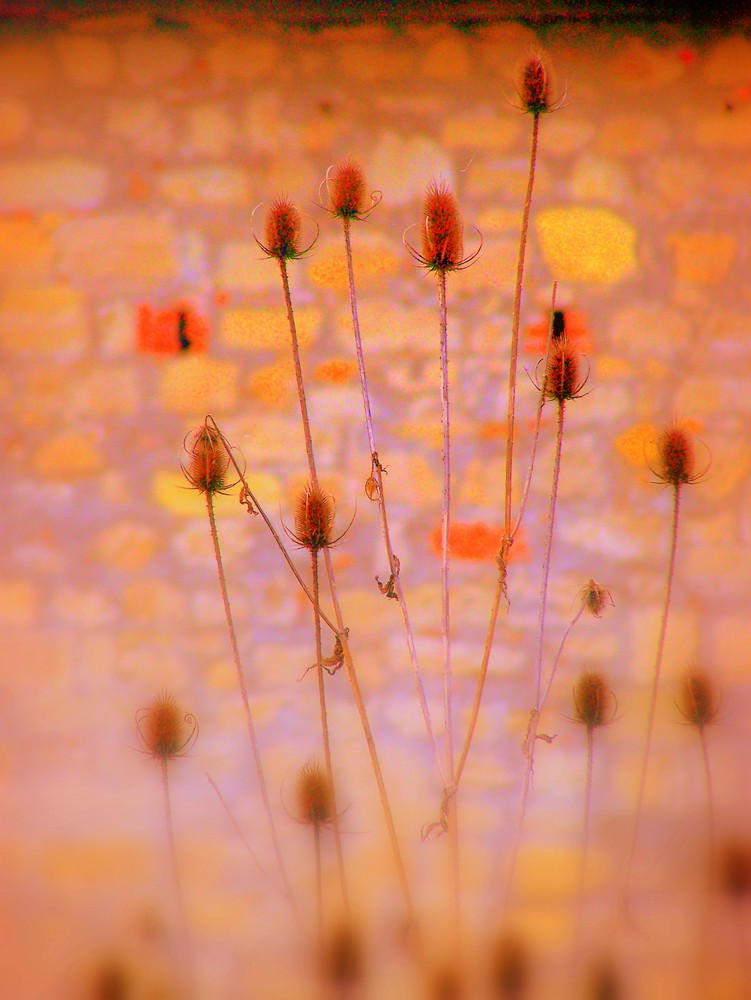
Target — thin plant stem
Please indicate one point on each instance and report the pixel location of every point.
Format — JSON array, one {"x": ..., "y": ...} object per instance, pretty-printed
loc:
[
  {"x": 248, "y": 713},
  {"x": 500, "y": 589},
  {"x": 587, "y": 812},
  {"x": 185, "y": 951},
  {"x": 706, "y": 895},
  {"x": 710, "y": 799},
  {"x": 257, "y": 508},
  {"x": 452, "y": 818},
  {"x": 342, "y": 633},
  {"x": 515, "y": 321},
  {"x": 233, "y": 820},
  {"x": 653, "y": 697},
  {"x": 532, "y": 736},
  {"x": 327, "y": 743},
  {"x": 377, "y": 474},
  {"x": 319, "y": 886}
]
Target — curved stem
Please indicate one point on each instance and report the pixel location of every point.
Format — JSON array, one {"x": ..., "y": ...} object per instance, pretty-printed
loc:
[
  {"x": 530, "y": 742},
  {"x": 515, "y": 324},
  {"x": 342, "y": 633},
  {"x": 185, "y": 950},
  {"x": 653, "y": 697},
  {"x": 327, "y": 743},
  {"x": 377, "y": 473},
  {"x": 452, "y": 818},
  {"x": 500, "y": 589},
  {"x": 248, "y": 714}
]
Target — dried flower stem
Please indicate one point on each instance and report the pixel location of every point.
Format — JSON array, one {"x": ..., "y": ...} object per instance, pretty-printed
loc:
[
  {"x": 342, "y": 632},
  {"x": 381, "y": 499},
  {"x": 233, "y": 820},
  {"x": 515, "y": 324},
  {"x": 587, "y": 811},
  {"x": 655, "y": 689},
  {"x": 327, "y": 746},
  {"x": 185, "y": 951},
  {"x": 500, "y": 589},
  {"x": 248, "y": 714},
  {"x": 530, "y": 741},
  {"x": 448, "y": 710},
  {"x": 710, "y": 798}
]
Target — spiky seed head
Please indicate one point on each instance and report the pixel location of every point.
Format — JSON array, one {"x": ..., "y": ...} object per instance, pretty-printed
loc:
[
  {"x": 535, "y": 86},
  {"x": 562, "y": 378},
  {"x": 347, "y": 190},
  {"x": 208, "y": 461},
  {"x": 282, "y": 230},
  {"x": 314, "y": 795},
  {"x": 343, "y": 957},
  {"x": 509, "y": 969},
  {"x": 735, "y": 869},
  {"x": 596, "y": 598},
  {"x": 590, "y": 700},
  {"x": 698, "y": 701},
  {"x": 676, "y": 463},
  {"x": 443, "y": 232},
  {"x": 314, "y": 518},
  {"x": 165, "y": 731}
]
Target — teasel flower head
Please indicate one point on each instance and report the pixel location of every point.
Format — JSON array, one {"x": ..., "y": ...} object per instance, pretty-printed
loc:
[
  {"x": 442, "y": 233},
  {"x": 698, "y": 700},
  {"x": 591, "y": 697},
  {"x": 676, "y": 458},
  {"x": 348, "y": 196},
  {"x": 509, "y": 968},
  {"x": 283, "y": 231},
  {"x": 535, "y": 86},
  {"x": 315, "y": 799},
  {"x": 343, "y": 960},
  {"x": 595, "y": 598},
  {"x": 563, "y": 378},
  {"x": 164, "y": 731},
  {"x": 314, "y": 520},
  {"x": 207, "y": 461}
]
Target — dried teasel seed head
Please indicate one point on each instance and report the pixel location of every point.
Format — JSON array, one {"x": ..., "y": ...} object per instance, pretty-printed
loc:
[
  {"x": 535, "y": 86},
  {"x": 208, "y": 461},
  {"x": 347, "y": 190},
  {"x": 164, "y": 730},
  {"x": 314, "y": 518},
  {"x": 509, "y": 969},
  {"x": 698, "y": 700},
  {"x": 443, "y": 232},
  {"x": 315, "y": 800},
  {"x": 562, "y": 374},
  {"x": 591, "y": 696},
  {"x": 595, "y": 598},
  {"x": 343, "y": 957},
  {"x": 282, "y": 230},
  {"x": 676, "y": 463}
]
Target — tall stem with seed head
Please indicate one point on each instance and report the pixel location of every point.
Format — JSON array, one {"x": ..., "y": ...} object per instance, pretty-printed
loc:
[{"x": 250, "y": 726}]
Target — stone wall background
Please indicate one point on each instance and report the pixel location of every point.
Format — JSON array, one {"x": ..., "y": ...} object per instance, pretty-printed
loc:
[{"x": 133, "y": 155}]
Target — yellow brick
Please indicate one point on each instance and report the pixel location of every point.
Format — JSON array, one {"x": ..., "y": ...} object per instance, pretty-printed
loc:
[
  {"x": 73, "y": 866},
  {"x": 142, "y": 124},
  {"x": 726, "y": 130},
  {"x": 213, "y": 185},
  {"x": 51, "y": 181},
  {"x": 24, "y": 65},
  {"x": 547, "y": 872},
  {"x": 636, "y": 66},
  {"x": 243, "y": 57},
  {"x": 25, "y": 250},
  {"x": 481, "y": 131},
  {"x": 211, "y": 130},
  {"x": 446, "y": 59},
  {"x": 272, "y": 384},
  {"x": 153, "y": 58},
  {"x": 87, "y": 61},
  {"x": 127, "y": 246},
  {"x": 375, "y": 63},
  {"x": 126, "y": 546},
  {"x": 638, "y": 444},
  {"x": 372, "y": 262},
  {"x": 67, "y": 456},
  {"x": 259, "y": 329},
  {"x": 629, "y": 134},
  {"x": 587, "y": 244},
  {"x": 198, "y": 384},
  {"x": 19, "y": 602},
  {"x": 14, "y": 120},
  {"x": 150, "y": 600},
  {"x": 728, "y": 62},
  {"x": 702, "y": 258},
  {"x": 171, "y": 491}
]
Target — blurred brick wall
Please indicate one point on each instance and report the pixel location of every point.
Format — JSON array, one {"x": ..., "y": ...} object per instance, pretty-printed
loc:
[{"x": 132, "y": 158}]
